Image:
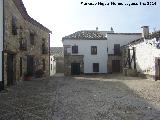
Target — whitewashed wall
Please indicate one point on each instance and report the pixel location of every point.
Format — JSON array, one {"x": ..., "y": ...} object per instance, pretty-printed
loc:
[
  {"x": 121, "y": 39},
  {"x": 1, "y": 36},
  {"x": 84, "y": 48},
  {"x": 53, "y": 64},
  {"x": 146, "y": 52}
]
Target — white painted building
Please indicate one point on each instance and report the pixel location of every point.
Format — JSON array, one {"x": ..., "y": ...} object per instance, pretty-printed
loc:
[
  {"x": 121, "y": 39},
  {"x": 52, "y": 65},
  {"x": 1, "y": 41},
  {"x": 90, "y": 53},
  {"x": 147, "y": 54},
  {"x": 107, "y": 43},
  {"x": 115, "y": 41}
]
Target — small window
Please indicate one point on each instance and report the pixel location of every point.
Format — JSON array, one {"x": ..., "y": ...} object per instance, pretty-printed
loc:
[
  {"x": 32, "y": 37},
  {"x": 44, "y": 65},
  {"x": 75, "y": 49},
  {"x": 14, "y": 25},
  {"x": 93, "y": 50},
  {"x": 117, "y": 49},
  {"x": 95, "y": 67},
  {"x": 21, "y": 66}
]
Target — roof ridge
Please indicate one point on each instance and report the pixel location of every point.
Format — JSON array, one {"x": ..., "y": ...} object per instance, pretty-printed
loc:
[{"x": 20, "y": 6}]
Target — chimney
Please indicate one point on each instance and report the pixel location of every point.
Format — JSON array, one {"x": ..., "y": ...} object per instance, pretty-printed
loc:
[
  {"x": 145, "y": 32},
  {"x": 96, "y": 28}
]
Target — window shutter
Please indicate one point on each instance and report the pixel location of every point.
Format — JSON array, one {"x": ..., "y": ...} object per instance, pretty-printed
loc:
[{"x": 14, "y": 25}]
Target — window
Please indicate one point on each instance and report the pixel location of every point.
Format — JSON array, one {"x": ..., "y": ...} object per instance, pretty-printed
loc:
[
  {"x": 21, "y": 66},
  {"x": 95, "y": 67},
  {"x": 117, "y": 49},
  {"x": 75, "y": 49},
  {"x": 93, "y": 50},
  {"x": 44, "y": 65},
  {"x": 14, "y": 25},
  {"x": 32, "y": 37}
]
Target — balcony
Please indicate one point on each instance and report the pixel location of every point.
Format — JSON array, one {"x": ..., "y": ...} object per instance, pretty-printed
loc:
[
  {"x": 44, "y": 50},
  {"x": 23, "y": 46}
]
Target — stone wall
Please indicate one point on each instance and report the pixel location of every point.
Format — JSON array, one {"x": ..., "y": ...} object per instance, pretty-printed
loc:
[
  {"x": 59, "y": 64},
  {"x": 68, "y": 59},
  {"x": 12, "y": 42}
]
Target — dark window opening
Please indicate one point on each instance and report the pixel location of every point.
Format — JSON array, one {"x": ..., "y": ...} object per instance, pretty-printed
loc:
[
  {"x": 32, "y": 38},
  {"x": 21, "y": 66},
  {"x": 95, "y": 67},
  {"x": 93, "y": 50},
  {"x": 75, "y": 49},
  {"x": 44, "y": 65},
  {"x": 14, "y": 25},
  {"x": 117, "y": 50}
]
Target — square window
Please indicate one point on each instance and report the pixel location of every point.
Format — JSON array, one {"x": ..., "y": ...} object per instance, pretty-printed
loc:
[
  {"x": 94, "y": 50},
  {"x": 95, "y": 67},
  {"x": 75, "y": 49}
]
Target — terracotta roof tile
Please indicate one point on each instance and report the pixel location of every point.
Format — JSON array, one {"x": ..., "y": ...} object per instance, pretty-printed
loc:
[
  {"x": 56, "y": 51},
  {"x": 86, "y": 35}
]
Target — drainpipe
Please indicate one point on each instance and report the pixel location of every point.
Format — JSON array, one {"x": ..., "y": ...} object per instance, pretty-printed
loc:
[{"x": 2, "y": 45}]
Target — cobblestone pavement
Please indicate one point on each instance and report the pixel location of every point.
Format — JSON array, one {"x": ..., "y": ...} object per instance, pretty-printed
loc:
[{"x": 82, "y": 98}]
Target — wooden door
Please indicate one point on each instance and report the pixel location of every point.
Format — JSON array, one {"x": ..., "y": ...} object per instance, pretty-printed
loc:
[
  {"x": 75, "y": 68},
  {"x": 30, "y": 65},
  {"x": 10, "y": 69},
  {"x": 115, "y": 66}
]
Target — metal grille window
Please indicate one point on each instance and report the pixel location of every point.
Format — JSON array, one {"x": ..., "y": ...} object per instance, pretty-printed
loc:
[
  {"x": 95, "y": 67},
  {"x": 93, "y": 50},
  {"x": 75, "y": 49}
]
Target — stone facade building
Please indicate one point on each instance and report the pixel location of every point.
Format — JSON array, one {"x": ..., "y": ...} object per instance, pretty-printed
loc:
[{"x": 26, "y": 44}]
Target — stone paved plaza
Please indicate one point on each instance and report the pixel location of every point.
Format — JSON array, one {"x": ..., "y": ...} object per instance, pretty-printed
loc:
[{"x": 111, "y": 97}]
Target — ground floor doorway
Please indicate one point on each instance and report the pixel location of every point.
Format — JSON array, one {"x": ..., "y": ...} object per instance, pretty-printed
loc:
[
  {"x": 10, "y": 69},
  {"x": 115, "y": 66},
  {"x": 75, "y": 68}
]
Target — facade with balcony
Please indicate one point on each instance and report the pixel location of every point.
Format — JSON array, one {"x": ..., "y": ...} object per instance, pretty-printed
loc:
[
  {"x": 23, "y": 41},
  {"x": 88, "y": 52}
]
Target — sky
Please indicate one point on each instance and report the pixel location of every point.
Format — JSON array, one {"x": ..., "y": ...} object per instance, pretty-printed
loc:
[{"x": 64, "y": 17}]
